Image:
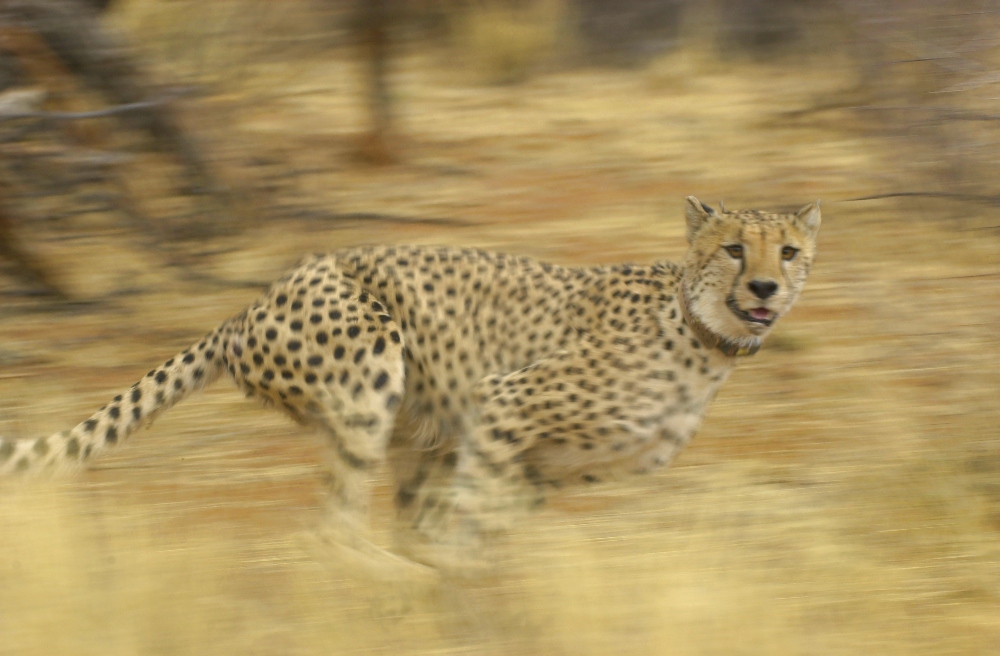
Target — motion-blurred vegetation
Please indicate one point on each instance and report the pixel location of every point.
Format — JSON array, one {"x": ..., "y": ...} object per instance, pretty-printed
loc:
[{"x": 161, "y": 160}]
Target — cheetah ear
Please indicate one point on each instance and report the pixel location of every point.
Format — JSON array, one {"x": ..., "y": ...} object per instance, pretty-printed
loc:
[
  {"x": 808, "y": 218},
  {"x": 697, "y": 214}
]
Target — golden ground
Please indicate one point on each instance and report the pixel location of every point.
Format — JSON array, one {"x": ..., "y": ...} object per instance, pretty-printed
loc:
[{"x": 843, "y": 496}]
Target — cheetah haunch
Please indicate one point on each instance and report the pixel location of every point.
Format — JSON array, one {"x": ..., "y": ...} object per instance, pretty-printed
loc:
[{"x": 504, "y": 373}]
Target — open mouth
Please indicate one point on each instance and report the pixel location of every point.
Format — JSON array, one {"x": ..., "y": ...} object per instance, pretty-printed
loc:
[{"x": 759, "y": 315}]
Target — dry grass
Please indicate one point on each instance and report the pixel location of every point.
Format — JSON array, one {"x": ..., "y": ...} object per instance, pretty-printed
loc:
[
  {"x": 843, "y": 496},
  {"x": 214, "y": 43},
  {"x": 501, "y": 42}
]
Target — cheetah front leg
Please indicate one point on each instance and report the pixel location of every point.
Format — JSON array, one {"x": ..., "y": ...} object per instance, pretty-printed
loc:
[
  {"x": 492, "y": 484},
  {"x": 569, "y": 417}
]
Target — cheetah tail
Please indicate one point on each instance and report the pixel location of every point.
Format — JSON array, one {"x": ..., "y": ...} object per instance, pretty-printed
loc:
[{"x": 187, "y": 372}]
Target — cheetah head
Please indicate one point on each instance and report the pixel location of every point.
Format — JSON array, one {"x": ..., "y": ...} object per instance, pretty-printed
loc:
[{"x": 745, "y": 269}]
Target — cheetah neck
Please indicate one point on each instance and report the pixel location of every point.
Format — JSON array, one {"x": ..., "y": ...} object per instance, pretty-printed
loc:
[{"x": 712, "y": 339}]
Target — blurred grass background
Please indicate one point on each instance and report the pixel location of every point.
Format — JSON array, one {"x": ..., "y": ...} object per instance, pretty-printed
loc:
[{"x": 843, "y": 495}]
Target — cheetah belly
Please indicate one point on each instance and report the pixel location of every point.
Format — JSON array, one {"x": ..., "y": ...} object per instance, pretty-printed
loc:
[{"x": 624, "y": 450}]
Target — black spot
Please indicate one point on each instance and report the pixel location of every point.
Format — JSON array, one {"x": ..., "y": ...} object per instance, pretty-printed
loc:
[
  {"x": 245, "y": 368},
  {"x": 379, "y": 346},
  {"x": 287, "y": 375},
  {"x": 258, "y": 359},
  {"x": 280, "y": 360},
  {"x": 294, "y": 345},
  {"x": 161, "y": 377},
  {"x": 114, "y": 412},
  {"x": 315, "y": 318},
  {"x": 321, "y": 338},
  {"x": 73, "y": 447},
  {"x": 268, "y": 374},
  {"x": 295, "y": 389},
  {"x": 297, "y": 305},
  {"x": 310, "y": 378},
  {"x": 198, "y": 373},
  {"x": 394, "y": 336},
  {"x": 338, "y": 352},
  {"x": 178, "y": 384},
  {"x": 271, "y": 334},
  {"x": 296, "y": 325},
  {"x": 90, "y": 425},
  {"x": 353, "y": 332},
  {"x": 359, "y": 356},
  {"x": 280, "y": 300},
  {"x": 335, "y": 314},
  {"x": 189, "y": 358},
  {"x": 381, "y": 381},
  {"x": 111, "y": 436},
  {"x": 137, "y": 413},
  {"x": 404, "y": 497},
  {"x": 352, "y": 460}
]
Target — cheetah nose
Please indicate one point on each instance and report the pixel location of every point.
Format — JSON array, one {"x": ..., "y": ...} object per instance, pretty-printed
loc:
[{"x": 763, "y": 289}]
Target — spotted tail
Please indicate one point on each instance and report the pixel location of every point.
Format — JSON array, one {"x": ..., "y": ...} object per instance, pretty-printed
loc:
[{"x": 187, "y": 372}]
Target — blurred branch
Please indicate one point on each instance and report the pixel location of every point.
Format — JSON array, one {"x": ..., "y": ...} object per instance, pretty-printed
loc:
[
  {"x": 986, "y": 79},
  {"x": 924, "y": 50},
  {"x": 65, "y": 42},
  {"x": 976, "y": 198},
  {"x": 12, "y": 115},
  {"x": 949, "y": 113}
]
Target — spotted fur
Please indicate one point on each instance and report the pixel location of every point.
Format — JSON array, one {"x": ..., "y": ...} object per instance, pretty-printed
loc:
[{"x": 502, "y": 372}]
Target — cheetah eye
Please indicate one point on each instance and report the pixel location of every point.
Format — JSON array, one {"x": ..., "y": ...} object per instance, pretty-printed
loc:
[
  {"x": 788, "y": 253},
  {"x": 735, "y": 251}
]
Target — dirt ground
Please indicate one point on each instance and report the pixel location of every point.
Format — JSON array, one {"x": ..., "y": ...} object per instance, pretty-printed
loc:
[{"x": 843, "y": 495}]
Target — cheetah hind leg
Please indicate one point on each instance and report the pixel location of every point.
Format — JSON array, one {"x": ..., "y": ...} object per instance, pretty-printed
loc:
[
  {"x": 357, "y": 440},
  {"x": 428, "y": 526},
  {"x": 460, "y": 523}
]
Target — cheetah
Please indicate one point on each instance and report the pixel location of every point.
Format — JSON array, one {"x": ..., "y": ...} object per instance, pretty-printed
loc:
[{"x": 496, "y": 374}]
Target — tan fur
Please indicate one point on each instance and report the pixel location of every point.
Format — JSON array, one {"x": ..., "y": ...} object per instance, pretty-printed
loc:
[
  {"x": 712, "y": 277},
  {"x": 492, "y": 375}
]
